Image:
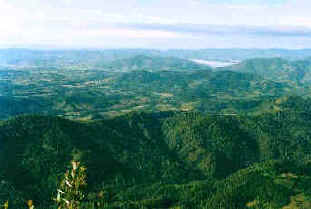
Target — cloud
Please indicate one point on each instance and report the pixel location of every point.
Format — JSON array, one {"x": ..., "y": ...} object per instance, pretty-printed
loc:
[
  {"x": 156, "y": 23},
  {"x": 277, "y": 31},
  {"x": 132, "y": 33}
]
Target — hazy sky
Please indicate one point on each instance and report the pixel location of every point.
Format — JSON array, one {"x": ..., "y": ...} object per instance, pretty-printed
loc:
[{"x": 155, "y": 23}]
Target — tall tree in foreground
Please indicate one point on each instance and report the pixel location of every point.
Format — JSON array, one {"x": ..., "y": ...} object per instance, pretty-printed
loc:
[{"x": 71, "y": 189}]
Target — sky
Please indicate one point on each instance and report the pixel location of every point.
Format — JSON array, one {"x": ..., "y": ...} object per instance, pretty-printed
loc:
[{"x": 157, "y": 24}]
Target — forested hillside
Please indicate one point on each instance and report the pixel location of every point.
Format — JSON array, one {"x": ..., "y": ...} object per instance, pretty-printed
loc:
[
  {"x": 164, "y": 160},
  {"x": 154, "y": 63},
  {"x": 277, "y": 69}
]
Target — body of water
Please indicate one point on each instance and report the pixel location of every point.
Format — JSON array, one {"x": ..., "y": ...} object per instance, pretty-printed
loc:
[{"x": 215, "y": 64}]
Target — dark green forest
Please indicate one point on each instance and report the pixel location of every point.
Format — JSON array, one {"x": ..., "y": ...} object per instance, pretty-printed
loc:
[{"x": 166, "y": 160}]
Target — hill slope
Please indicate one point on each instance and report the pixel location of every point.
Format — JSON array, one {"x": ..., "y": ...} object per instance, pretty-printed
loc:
[
  {"x": 154, "y": 63},
  {"x": 146, "y": 149},
  {"x": 277, "y": 69}
]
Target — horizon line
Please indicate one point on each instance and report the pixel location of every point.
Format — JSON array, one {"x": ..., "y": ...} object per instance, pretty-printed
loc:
[{"x": 141, "y": 48}]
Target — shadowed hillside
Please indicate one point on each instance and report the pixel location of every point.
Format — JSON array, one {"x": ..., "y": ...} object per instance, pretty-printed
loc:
[{"x": 136, "y": 151}]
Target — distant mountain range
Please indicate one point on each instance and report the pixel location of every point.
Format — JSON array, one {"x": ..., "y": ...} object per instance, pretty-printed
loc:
[{"x": 98, "y": 57}]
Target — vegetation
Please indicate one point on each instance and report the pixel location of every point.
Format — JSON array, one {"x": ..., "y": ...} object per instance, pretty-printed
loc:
[
  {"x": 161, "y": 160},
  {"x": 120, "y": 130},
  {"x": 142, "y": 83},
  {"x": 277, "y": 69}
]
